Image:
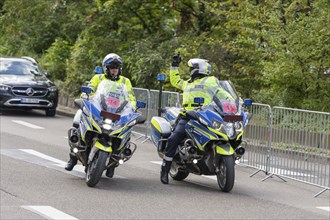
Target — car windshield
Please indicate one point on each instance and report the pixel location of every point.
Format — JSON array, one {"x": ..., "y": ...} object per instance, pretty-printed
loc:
[{"x": 9, "y": 67}]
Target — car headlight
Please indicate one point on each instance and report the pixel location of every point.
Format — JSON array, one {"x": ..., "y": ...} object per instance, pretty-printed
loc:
[
  {"x": 52, "y": 89},
  {"x": 216, "y": 124},
  {"x": 4, "y": 87}
]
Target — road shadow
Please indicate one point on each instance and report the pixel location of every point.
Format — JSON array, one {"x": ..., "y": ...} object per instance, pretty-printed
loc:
[{"x": 24, "y": 113}]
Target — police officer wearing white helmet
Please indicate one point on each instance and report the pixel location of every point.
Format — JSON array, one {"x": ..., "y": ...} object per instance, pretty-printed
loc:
[{"x": 199, "y": 85}]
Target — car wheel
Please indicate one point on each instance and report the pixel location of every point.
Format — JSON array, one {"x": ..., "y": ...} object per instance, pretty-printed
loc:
[{"x": 50, "y": 112}]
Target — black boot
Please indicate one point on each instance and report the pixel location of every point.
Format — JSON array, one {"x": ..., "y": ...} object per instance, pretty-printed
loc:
[
  {"x": 110, "y": 172},
  {"x": 71, "y": 163},
  {"x": 165, "y": 169}
]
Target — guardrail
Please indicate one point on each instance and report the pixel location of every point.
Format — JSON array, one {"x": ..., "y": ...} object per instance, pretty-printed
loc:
[{"x": 283, "y": 142}]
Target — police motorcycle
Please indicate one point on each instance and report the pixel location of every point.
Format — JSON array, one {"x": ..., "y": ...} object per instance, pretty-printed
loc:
[
  {"x": 214, "y": 137},
  {"x": 102, "y": 139}
]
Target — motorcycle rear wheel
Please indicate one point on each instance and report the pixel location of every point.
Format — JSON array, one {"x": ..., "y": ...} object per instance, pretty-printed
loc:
[
  {"x": 177, "y": 174},
  {"x": 226, "y": 174},
  {"x": 96, "y": 168}
]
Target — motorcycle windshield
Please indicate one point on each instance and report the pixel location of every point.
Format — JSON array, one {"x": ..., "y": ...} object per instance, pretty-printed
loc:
[
  {"x": 226, "y": 106},
  {"x": 112, "y": 97}
]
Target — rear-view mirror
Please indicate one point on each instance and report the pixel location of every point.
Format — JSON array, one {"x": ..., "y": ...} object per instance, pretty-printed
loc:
[
  {"x": 140, "y": 104},
  {"x": 86, "y": 89},
  {"x": 247, "y": 102}
]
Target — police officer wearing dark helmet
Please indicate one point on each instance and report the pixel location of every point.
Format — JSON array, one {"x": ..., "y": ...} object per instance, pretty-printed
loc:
[{"x": 112, "y": 68}]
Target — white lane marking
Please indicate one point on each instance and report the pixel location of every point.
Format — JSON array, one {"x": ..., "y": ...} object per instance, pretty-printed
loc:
[
  {"x": 27, "y": 124},
  {"x": 44, "y": 156},
  {"x": 157, "y": 162},
  {"x": 80, "y": 168},
  {"x": 325, "y": 208},
  {"x": 48, "y": 212}
]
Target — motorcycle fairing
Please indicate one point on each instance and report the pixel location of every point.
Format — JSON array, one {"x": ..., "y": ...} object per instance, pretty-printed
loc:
[
  {"x": 201, "y": 134},
  {"x": 92, "y": 109},
  {"x": 208, "y": 115},
  {"x": 100, "y": 146},
  {"x": 90, "y": 119},
  {"x": 224, "y": 149},
  {"x": 124, "y": 121}
]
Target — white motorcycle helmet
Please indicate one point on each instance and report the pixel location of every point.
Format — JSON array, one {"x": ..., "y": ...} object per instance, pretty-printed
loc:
[
  {"x": 112, "y": 60},
  {"x": 199, "y": 66}
]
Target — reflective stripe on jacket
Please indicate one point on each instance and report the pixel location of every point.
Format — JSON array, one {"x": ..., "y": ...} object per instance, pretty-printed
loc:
[{"x": 95, "y": 81}]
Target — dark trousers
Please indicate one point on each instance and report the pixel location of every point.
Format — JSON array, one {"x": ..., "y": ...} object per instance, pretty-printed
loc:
[{"x": 175, "y": 138}]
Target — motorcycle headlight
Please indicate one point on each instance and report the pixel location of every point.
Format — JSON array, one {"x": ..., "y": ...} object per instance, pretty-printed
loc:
[
  {"x": 216, "y": 124},
  {"x": 107, "y": 127},
  {"x": 229, "y": 127},
  {"x": 107, "y": 124},
  {"x": 238, "y": 125},
  {"x": 108, "y": 121}
]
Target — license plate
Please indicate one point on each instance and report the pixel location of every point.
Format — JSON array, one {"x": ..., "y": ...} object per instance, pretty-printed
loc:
[{"x": 26, "y": 100}]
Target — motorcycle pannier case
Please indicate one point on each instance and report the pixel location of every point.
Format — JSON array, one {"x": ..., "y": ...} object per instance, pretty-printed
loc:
[{"x": 160, "y": 131}]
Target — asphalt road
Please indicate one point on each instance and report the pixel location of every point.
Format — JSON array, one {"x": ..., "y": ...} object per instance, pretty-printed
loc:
[{"x": 34, "y": 184}]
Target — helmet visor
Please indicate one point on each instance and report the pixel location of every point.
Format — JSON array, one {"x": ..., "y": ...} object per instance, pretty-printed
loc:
[{"x": 113, "y": 65}]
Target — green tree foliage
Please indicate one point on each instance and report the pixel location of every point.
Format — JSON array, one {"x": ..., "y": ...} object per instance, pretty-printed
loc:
[
  {"x": 295, "y": 76},
  {"x": 275, "y": 52}
]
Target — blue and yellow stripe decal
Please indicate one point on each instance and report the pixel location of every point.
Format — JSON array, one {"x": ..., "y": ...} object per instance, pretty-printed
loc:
[
  {"x": 224, "y": 150},
  {"x": 102, "y": 147}
]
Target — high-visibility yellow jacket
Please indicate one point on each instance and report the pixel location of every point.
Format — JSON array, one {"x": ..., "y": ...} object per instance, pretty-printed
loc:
[
  {"x": 205, "y": 87},
  {"x": 95, "y": 81}
]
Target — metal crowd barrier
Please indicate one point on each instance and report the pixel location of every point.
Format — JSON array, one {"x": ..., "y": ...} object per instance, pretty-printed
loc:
[
  {"x": 257, "y": 138},
  {"x": 151, "y": 97},
  {"x": 300, "y": 147},
  {"x": 289, "y": 143},
  {"x": 142, "y": 95}
]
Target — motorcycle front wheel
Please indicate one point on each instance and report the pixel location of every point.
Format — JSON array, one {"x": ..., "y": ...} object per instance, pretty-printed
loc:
[
  {"x": 226, "y": 174},
  {"x": 96, "y": 168},
  {"x": 177, "y": 174}
]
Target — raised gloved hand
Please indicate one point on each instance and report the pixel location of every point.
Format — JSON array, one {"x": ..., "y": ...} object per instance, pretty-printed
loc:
[{"x": 176, "y": 60}]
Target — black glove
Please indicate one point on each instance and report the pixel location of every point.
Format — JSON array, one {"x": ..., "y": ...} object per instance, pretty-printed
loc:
[{"x": 176, "y": 60}]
